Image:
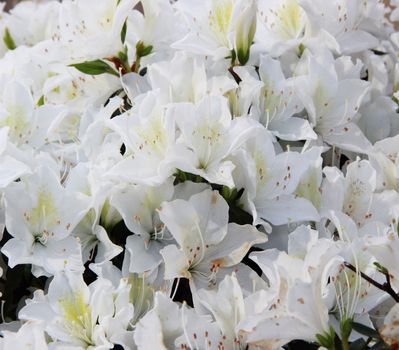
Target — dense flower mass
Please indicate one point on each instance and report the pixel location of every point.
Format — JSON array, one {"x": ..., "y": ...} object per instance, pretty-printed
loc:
[{"x": 199, "y": 175}]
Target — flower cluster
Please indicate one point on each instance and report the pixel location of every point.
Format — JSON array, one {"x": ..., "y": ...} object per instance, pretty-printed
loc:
[{"x": 199, "y": 174}]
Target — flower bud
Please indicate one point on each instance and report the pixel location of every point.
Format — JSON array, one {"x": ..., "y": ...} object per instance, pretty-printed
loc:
[{"x": 245, "y": 28}]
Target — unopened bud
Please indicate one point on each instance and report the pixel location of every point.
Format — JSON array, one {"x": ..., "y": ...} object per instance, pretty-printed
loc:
[{"x": 245, "y": 27}]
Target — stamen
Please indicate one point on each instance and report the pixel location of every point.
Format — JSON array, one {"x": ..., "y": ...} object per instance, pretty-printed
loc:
[{"x": 175, "y": 290}]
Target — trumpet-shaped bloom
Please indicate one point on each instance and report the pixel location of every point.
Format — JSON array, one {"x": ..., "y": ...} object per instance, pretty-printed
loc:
[
  {"x": 281, "y": 25},
  {"x": 270, "y": 182},
  {"x": 208, "y": 136},
  {"x": 139, "y": 206},
  {"x": 148, "y": 133},
  {"x": 217, "y": 27},
  {"x": 206, "y": 242},
  {"x": 332, "y": 104},
  {"x": 41, "y": 215},
  {"x": 273, "y": 100},
  {"x": 79, "y": 315}
]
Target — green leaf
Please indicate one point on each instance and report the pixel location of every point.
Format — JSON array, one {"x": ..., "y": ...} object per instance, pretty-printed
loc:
[
  {"x": 8, "y": 40},
  {"x": 364, "y": 330},
  {"x": 40, "y": 102},
  {"x": 231, "y": 195},
  {"x": 146, "y": 51},
  {"x": 95, "y": 67},
  {"x": 321, "y": 339},
  {"x": 123, "y": 32},
  {"x": 381, "y": 268},
  {"x": 226, "y": 193},
  {"x": 142, "y": 50},
  {"x": 122, "y": 56}
]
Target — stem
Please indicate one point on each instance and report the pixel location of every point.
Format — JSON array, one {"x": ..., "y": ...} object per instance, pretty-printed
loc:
[
  {"x": 136, "y": 65},
  {"x": 234, "y": 74},
  {"x": 386, "y": 287},
  {"x": 346, "y": 330},
  {"x": 345, "y": 343}
]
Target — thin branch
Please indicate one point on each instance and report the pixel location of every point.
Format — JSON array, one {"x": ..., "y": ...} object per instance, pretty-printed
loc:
[
  {"x": 386, "y": 287},
  {"x": 234, "y": 74}
]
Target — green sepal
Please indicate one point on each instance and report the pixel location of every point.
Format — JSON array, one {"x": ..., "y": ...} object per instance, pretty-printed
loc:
[
  {"x": 123, "y": 32},
  {"x": 95, "y": 67},
  {"x": 301, "y": 49},
  {"x": 40, "y": 101},
  {"x": 327, "y": 339},
  {"x": 8, "y": 40},
  {"x": 346, "y": 327},
  {"x": 243, "y": 56},
  {"x": 142, "y": 50},
  {"x": 381, "y": 268}
]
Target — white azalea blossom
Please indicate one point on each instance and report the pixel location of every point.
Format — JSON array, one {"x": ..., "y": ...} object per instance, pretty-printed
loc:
[
  {"x": 332, "y": 103},
  {"x": 206, "y": 242},
  {"x": 270, "y": 193},
  {"x": 148, "y": 134},
  {"x": 208, "y": 137},
  {"x": 30, "y": 336},
  {"x": 389, "y": 331},
  {"x": 274, "y": 101},
  {"x": 41, "y": 215},
  {"x": 142, "y": 218},
  {"x": 79, "y": 315},
  {"x": 281, "y": 25},
  {"x": 218, "y": 26},
  {"x": 340, "y": 23}
]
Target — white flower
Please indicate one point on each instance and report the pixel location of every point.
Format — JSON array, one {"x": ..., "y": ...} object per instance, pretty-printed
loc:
[
  {"x": 339, "y": 22},
  {"x": 281, "y": 25},
  {"x": 157, "y": 26},
  {"x": 228, "y": 308},
  {"x": 29, "y": 30},
  {"x": 270, "y": 181},
  {"x": 208, "y": 136},
  {"x": 160, "y": 327},
  {"x": 30, "y": 336},
  {"x": 184, "y": 79},
  {"x": 17, "y": 112},
  {"x": 385, "y": 160},
  {"x": 389, "y": 331},
  {"x": 218, "y": 26},
  {"x": 356, "y": 195},
  {"x": 148, "y": 133},
  {"x": 81, "y": 315},
  {"x": 139, "y": 206},
  {"x": 273, "y": 100},
  {"x": 332, "y": 103},
  {"x": 206, "y": 242},
  {"x": 91, "y": 30},
  {"x": 10, "y": 168},
  {"x": 40, "y": 215}
]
